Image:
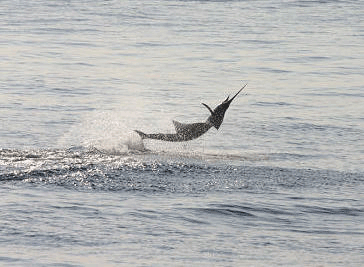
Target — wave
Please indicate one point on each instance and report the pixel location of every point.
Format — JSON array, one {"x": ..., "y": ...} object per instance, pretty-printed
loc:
[
  {"x": 249, "y": 210},
  {"x": 92, "y": 169}
]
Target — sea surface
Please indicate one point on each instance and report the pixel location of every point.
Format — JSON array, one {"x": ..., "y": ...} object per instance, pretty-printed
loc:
[{"x": 281, "y": 183}]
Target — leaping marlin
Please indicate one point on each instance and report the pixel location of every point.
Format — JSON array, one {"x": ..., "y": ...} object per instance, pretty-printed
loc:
[{"x": 190, "y": 131}]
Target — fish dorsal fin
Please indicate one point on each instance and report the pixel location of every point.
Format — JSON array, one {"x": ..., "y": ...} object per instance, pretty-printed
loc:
[
  {"x": 208, "y": 108},
  {"x": 178, "y": 126}
]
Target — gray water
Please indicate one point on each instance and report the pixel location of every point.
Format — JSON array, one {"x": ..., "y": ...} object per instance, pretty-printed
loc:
[{"x": 280, "y": 183}]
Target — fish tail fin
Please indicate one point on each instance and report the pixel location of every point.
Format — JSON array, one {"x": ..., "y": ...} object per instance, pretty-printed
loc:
[{"x": 141, "y": 134}]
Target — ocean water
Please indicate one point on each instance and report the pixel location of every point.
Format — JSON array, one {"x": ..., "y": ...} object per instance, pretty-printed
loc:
[{"x": 279, "y": 184}]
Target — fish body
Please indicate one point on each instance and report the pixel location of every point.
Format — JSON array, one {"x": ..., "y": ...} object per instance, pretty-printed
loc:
[{"x": 190, "y": 131}]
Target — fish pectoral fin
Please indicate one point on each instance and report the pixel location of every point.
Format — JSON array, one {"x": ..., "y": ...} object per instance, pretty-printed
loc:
[{"x": 208, "y": 108}]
